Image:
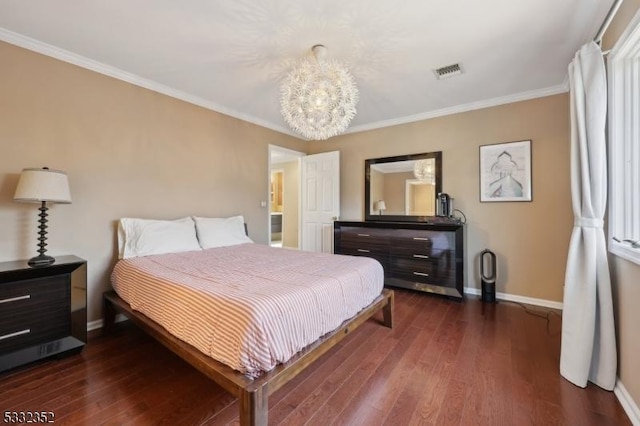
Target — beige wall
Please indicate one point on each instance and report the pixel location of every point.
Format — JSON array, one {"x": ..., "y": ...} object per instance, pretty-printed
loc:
[
  {"x": 530, "y": 238},
  {"x": 132, "y": 152},
  {"x": 394, "y": 189},
  {"x": 423, "y": 199},
  {"x": 128, "y": 152},
  {"x": 291, "y": 189},
  {"x": 626, "y": 275}
]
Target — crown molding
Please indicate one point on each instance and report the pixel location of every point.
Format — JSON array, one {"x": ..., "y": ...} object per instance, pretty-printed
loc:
[
  {"x": 524, "y": 96},
  {"x": 110, "y": 71},
  {"x": 101, "y": 68}
]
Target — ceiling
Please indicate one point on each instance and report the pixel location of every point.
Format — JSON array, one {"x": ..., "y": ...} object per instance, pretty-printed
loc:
[
  {"x": 231, "y": 55},
  {"x": 398, "y": 166}
]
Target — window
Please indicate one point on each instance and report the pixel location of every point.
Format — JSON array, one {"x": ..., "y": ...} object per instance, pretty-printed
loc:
[{"x": 624, "y": 144}]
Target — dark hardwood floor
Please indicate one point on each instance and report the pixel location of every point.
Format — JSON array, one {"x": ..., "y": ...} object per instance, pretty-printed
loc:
[{"x": 444, "y": 363}]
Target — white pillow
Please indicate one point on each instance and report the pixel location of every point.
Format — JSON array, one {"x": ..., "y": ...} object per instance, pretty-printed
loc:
[
  {"x": 220, "y": 232},
  {"x": 144, "y": 237}
]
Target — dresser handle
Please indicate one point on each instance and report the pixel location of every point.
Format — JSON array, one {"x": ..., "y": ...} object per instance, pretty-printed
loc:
[
  {"x": 17, "y": 333},
  {"x": 364, "y": 235},
  {"x": 364, "y": 251},
  {"x": 15, "y": 299},
  {"x": 421, "y": 238},
  {"x": 421, "y": 256},
  {"x": 422, "y": 274}
]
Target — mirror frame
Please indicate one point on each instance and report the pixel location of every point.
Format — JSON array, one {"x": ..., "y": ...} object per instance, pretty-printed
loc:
[{"x": 437, "y": 155}]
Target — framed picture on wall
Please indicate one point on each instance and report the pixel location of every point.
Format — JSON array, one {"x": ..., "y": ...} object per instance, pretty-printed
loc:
[{"x": 505, "y": 172}]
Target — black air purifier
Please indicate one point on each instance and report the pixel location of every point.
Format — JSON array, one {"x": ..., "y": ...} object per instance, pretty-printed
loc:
[{"x": 488, "y": 276}]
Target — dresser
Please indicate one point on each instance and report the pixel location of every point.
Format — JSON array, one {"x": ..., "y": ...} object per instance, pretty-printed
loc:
[
  {"x": 414, "y": 255},
  {"x": 43, "y": 310}
]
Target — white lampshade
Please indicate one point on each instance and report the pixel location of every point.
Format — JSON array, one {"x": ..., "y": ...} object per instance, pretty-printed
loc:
[
  {"x": 37, "y": 185},
  {"x": 381, "y": 205}
]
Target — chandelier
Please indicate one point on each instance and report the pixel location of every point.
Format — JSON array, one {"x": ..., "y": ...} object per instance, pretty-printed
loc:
[
  {"x": 319, "y": 97},
  {"x": 425, "y": 170}
]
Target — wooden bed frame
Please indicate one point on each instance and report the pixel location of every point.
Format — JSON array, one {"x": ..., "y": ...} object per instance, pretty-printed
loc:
[{"x": 252, "y": 394}]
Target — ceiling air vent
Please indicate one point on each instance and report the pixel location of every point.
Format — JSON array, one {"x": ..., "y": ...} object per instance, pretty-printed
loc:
[{"x": 447, "y": 71}]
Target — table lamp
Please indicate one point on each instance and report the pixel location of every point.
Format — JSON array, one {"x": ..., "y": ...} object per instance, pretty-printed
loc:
[{"x": 43, "y": 186}]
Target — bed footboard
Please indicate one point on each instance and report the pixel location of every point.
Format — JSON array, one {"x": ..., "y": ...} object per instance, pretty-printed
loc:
[
  {"x": 387, "y": 310},
  {"x": 252, "y": 395}
]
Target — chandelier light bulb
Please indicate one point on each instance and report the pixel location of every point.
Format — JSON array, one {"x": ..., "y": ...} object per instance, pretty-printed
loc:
[
  {"x": 319, "y": 97},
  {"x": 425, "y": 170}
]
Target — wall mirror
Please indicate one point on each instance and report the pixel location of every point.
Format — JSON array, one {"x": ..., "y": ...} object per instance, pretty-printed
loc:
[{"x": 402, "y": 188}]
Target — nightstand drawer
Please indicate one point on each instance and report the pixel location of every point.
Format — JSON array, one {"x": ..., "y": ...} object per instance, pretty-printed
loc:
[
  {"x": 31, "y": 333},
  {"x": 36, "y": 287},
  {"x": 36, "y": 316},
  {"x": 34, "y": 310}
]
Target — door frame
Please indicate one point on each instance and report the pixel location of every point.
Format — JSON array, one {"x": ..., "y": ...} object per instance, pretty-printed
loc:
[{"x": 270, "y": 167}]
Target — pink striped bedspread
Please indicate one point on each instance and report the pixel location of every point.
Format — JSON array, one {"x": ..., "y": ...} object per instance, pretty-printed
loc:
[{"x": 248, "y": 306}]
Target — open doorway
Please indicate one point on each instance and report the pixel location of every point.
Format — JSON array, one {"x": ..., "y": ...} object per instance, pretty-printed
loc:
[
  {"x": 284, "y": 197},
  {"x": 277, "y": 206}
]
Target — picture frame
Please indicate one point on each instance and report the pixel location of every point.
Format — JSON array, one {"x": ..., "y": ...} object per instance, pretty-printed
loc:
[{"x": 505, "y": 172}]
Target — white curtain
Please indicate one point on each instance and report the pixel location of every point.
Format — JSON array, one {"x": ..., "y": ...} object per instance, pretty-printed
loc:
[{"x": 588, "y": 350}]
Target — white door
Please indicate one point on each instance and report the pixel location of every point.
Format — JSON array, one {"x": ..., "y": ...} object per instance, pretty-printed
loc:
[{"x": 320, "y": 200}]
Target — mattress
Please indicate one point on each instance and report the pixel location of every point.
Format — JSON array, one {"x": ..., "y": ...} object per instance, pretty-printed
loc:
[{"x": 248, "y": 306}]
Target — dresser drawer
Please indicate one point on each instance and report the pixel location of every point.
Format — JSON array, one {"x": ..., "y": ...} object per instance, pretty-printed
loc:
[
  {"x": 364, "y": 242},
  {"x": 427, "y": 257},
  {"x": 365, "y": 235},
  {"x": 360, "y": 248},
  {"x": 423, "y": 274},
  {"x": 33, "y": 311},
  {"x": 383, "y": 258},
  {"x": 420, "y": 253},
  {"x": 412, "y": 267},
  {"x": 374, "y": 243},
  {"x": 432, "y": 268},
  {"x": 423, "y": 239}
]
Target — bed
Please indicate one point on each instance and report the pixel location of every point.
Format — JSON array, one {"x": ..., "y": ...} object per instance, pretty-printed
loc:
[{"x": 229, "y": 311}]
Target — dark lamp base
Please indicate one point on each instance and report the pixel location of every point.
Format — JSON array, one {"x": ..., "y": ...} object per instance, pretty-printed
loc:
[{"x": 41, "y": 260}]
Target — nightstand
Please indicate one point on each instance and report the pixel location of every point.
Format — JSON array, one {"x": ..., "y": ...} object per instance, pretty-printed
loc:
[{"x": 43, "y": 310}]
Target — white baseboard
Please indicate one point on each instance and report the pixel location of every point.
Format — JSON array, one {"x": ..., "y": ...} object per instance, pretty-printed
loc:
[
  {"x": 94, "y": 325},
  {"x": 521, "y": 299},
  {"x": 627, "y": 402}
]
